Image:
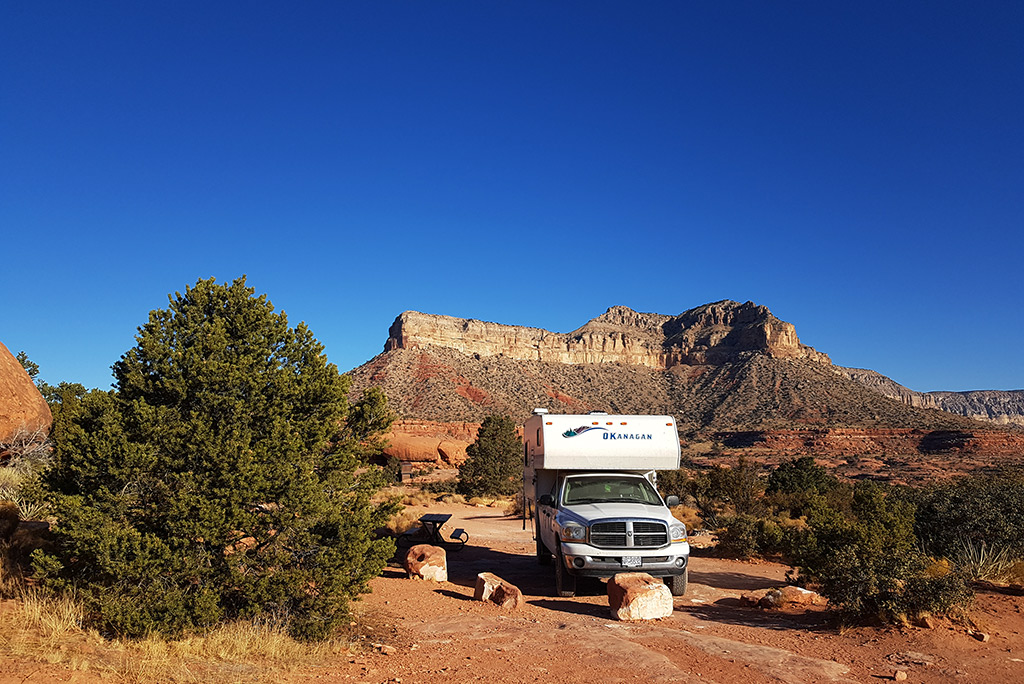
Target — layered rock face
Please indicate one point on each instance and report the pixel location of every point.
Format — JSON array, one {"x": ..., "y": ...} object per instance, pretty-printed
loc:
[
  {"x": 995, "y": 406},
  {"x": 22, "y": 407},
  {"x": 710, "y": 334}
]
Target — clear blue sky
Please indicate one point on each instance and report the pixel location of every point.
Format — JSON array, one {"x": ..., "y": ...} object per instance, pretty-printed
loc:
[{"x": 856, "y": 167}]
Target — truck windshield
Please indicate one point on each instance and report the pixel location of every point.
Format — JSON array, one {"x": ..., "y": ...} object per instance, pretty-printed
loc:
[{"x": 609, "y": 488}]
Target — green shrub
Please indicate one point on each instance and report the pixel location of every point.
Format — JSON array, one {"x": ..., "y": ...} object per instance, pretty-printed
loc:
[
  {"x": 977, "y": 509},
  {"x": 224, "y": 478},
  {"x": 868, "y": 564},
  {"x": 493, "y": 465},
  {"x": 745, "y": 536}
]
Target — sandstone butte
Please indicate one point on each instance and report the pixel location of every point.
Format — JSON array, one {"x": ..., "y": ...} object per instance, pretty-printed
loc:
[
  {"x": 445, "y": 372},
  {"x": 22, "y": 407}
]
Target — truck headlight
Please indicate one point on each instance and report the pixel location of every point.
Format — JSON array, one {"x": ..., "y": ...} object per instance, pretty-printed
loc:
[
  {"x": 678, "y": 532},
  {"x": 572, "y": 532}
]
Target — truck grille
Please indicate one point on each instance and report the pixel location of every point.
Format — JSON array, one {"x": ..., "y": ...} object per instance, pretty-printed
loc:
[{"x": 628, "y": 533}]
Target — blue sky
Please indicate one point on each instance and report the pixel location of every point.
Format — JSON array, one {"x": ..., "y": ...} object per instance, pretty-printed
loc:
[{"x": 856, "y": 167}]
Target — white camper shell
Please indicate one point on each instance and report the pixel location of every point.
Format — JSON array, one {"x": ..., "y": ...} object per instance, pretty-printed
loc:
[{"x": 589, "y": 486}]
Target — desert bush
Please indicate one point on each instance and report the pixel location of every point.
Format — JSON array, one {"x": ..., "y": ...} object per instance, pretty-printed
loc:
[
  {"x": 226, "y": 424},
  {"x": 745, "y": 536},
  {"x": 452, "y": 499},
  {"x": 798, "y": 484},
  {"x": 979, "y": 509},
  {"x": 493, "y": 464},
  {"x": 514, "y": 506},
  {"x": 868, "y": 564}
]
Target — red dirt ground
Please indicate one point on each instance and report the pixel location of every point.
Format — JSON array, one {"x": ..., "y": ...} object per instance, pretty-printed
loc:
[{"x": 419, "y": 631}]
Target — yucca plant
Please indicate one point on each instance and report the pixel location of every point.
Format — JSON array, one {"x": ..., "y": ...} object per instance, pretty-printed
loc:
[{"x": 979, "y": 561}]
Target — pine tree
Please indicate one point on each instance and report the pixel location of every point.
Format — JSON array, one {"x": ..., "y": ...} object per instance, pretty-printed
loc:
[
  {"x": 219, "y": 480},
  {"x": 493, "y": 463}
]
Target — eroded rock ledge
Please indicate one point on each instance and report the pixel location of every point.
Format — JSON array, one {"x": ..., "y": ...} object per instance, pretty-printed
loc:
[{"x": 710, "y": 334}]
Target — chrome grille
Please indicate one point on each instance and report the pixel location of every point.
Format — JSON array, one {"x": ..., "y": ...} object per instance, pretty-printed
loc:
[
  {"x": 628, "y": 533},
  {"x": 649, "y": 534},
  {"x": 608, "y": 534}
]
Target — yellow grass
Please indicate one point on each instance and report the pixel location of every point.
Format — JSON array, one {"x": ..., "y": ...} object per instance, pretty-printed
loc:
[{"x": 49, "y": 630}]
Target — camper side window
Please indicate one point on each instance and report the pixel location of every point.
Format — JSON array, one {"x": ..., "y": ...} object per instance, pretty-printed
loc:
[{"x": 538, "y": 436}]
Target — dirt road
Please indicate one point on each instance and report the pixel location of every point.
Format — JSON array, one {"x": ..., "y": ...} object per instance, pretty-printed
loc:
[{"x": 431, "y": 632}]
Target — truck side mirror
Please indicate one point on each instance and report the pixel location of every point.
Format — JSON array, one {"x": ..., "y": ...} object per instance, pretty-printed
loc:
[
  {"x": 671, "y": 501},
  {"x": 546, "y": 500}
]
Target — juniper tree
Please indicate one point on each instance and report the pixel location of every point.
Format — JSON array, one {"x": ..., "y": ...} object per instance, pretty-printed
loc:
[
  {"x": 493, "y": 463},
  {"x": 218, "y": 480}
]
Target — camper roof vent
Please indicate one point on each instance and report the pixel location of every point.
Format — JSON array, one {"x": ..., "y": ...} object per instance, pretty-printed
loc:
[
  {"x": 598, "y": 413},
  {"x": 539, "y": 411}
]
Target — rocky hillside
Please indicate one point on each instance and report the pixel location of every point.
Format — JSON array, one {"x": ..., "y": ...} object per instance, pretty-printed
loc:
[
  {"x": 996, "y": 406},
  {"x": 722, "y": 366}
]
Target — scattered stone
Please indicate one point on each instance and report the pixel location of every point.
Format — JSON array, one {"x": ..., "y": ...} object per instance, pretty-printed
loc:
[
  {"x": 638, "y": 596},
  {"x": 983, "y": 637},
  {"x": 427, "y": 562},
  {"x": 926, "y": 622},
  {"x": 776, "y": 598},
  {"x": 490, "y": 587},
  {"x": 900, "y": 675},
  {"x": 801, "y": 596},
  {"x": 771, "y": 599}
]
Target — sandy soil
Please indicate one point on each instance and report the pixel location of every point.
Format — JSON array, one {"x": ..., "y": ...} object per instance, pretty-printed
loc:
[{"x": 418, "y": 631}]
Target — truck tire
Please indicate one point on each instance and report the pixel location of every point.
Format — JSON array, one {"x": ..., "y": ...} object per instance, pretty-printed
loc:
[
  {"x": 677, "y": 583},
  {"x": 543, "y": 555},
  {"x": 565, "y": 584}
]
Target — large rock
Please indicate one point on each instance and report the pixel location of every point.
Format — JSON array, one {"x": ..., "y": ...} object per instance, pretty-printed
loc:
[
  {"x": 22, "y": 407},
  {"x": 490, "y": 587},
  {"x": 427, "y": 562},
  {"x": 638, "y": 596}
]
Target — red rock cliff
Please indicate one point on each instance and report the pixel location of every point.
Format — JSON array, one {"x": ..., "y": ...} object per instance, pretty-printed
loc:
[{"x": 21, "y": 404}]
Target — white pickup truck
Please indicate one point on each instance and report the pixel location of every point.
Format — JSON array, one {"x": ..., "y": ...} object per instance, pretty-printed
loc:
[{"x": 589, "y": 487}]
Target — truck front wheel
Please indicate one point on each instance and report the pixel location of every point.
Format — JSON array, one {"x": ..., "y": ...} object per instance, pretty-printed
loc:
[
  {"x": 677, "y": 583},
  {"x": 565, "y": 584}
]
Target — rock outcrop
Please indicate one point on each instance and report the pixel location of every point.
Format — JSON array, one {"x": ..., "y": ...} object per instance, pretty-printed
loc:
[
  {"x": 713, "y": 333},
  {"x": 22, "y": 407},
  {"x": 418, "y": 441}
]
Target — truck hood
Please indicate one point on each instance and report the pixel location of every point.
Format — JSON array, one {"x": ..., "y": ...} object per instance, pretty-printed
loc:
[{"x": 588, "y": 513}]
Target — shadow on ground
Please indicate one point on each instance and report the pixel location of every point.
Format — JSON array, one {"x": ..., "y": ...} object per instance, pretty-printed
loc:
[
  {"x": 736, "y": 581},
  {"x": 730, "y": 611}
]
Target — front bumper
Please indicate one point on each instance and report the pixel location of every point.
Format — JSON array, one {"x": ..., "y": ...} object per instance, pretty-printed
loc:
[{"x": 583, "y": 560}]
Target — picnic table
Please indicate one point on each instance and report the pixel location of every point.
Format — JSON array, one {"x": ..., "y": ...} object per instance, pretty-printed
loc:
[{"x": 430, "y": 525}]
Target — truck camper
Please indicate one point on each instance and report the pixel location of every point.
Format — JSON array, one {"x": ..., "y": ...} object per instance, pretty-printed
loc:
[{"x": 589, "y": 487}]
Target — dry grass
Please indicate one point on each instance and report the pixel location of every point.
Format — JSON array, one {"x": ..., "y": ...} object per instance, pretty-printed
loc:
[
  {"x": 49, "y": 630},
  {"x": 402, "y": 522}
]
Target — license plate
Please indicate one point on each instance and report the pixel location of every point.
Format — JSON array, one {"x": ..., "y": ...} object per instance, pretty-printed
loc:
[{"x": 631, "y": 561}]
